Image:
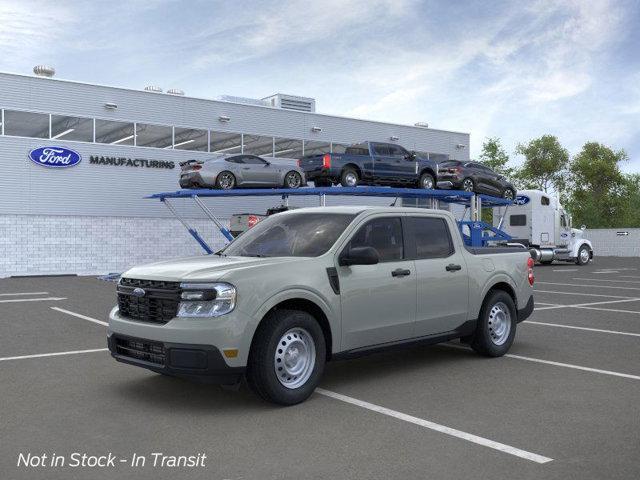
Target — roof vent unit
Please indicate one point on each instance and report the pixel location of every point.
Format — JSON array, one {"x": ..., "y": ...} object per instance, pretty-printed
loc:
[
  {"x": 422, "y": 124},
  {"x": 175, "y": 91},
  {"x": 153, "y": 88},
  {"x": 244, "y": 100},
  {"x": 292, "y": 102},
  {"x": 44, "y": 71}
]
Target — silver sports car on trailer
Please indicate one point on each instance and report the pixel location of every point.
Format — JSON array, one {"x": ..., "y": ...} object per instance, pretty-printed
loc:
[{"x": 241, "y": 170}]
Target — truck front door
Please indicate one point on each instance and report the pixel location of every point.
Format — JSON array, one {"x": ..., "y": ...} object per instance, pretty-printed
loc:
[
  {"x": 443, "y": 279},
  {"x": 378, "y": 302}
]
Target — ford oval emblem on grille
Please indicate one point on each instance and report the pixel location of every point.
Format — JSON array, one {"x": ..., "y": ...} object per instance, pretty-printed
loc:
[{"x": 138, "y": 292}]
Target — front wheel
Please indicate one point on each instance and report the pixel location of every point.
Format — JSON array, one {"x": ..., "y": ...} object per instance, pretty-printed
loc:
[
  {"x": 496, "y": 327},
  {"x": 292, "y": 180},
  {"x": 584, "y": 255},
  {"x": 427, "y": 182},
  {"x": 287, "y": 357}
]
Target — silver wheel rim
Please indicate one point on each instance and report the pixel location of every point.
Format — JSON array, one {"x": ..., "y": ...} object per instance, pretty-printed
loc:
[
  {"x": 351, "y": 179},
  {"x": 467, "y": 185},
  {"x": 295, "y": 358},
  {"x": 226, "y": 181},
  {"x": 584, "y": 255},
  {"x": 293, "y": 180},
  {"x": 508, "y": 194},
  {"x": 499, "y": 323},
  {"x": 427, "y": 182}
]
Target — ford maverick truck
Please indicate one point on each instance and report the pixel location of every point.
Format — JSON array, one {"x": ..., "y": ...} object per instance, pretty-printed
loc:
[
  {"x": 311, "y": 285},
  {"x": 371, "y": 163}
]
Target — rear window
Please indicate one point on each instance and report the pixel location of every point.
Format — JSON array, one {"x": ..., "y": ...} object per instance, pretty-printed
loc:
[
  {"x": 517, "y": 220},
  {"x": 432, "y": 238}
]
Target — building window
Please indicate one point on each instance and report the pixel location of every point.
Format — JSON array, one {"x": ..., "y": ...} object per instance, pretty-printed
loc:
[
  {"x": 338, "y": 147},
  {"x": 258, "y": 145},
  {"x": 157, "y": 136},
  {"x": 316, "y": 148},
  {"x": 26, "y": 124},
  {"x": 190, "y": 139},
  {"x": 72, "y": 128},
  {"x": 224, "y": 142},
  {"x": 114, "y": 133},
  {"x": 287, "y": 148}
]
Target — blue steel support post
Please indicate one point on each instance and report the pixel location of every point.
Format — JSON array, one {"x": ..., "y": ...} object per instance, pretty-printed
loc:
[
  {"x": 194, "y": 233},
  {"x": 212, "y": 217}
]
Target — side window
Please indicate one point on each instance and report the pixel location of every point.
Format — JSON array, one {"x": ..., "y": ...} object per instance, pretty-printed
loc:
[
  {"x": 383, "y": 234},
  {"x": 544, "y": 200},
  {"x": 432, "y": 237},
  {"x": 235, "y": 159},
  {"x": 253, "y": 160},
  {"x": 563, "y": 221},
  {"x": 381, "y": 149},
  {"x": 517, "y": 220},
  {"x": 397, "y": 151}
]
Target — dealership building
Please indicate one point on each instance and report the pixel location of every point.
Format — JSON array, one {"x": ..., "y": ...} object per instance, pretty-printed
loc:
[{"x": 92, "y": 218}]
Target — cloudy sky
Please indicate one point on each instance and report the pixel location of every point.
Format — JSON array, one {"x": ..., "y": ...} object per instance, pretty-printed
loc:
[{"x": 515, "y": 70}]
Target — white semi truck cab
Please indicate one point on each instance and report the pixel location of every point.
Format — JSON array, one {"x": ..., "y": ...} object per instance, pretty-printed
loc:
[{"x": 540, "y": 223}]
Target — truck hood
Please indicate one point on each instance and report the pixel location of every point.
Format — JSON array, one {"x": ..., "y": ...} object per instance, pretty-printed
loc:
[{"x": 201, "y": 268}]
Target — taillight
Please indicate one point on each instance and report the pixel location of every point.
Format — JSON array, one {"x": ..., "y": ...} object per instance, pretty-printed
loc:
[
  {"x": 196, "y": 167},
  {"x": 530, "y": 275},
  {"x": 252, "y": 220},
  {"x": 299, "y": 162},
  {"x": 457, "y": 170},
  {"x": 326, "y": 161}
]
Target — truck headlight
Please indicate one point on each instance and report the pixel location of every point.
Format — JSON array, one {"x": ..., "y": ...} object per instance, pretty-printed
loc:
[{"x": 206, "y": 299}]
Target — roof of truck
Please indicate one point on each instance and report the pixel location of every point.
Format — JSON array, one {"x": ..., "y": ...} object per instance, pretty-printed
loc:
[{"x": 357, "y": 209}]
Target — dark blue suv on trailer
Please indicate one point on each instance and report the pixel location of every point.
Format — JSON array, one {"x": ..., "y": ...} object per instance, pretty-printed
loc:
[{"x": 371, "y": 163}]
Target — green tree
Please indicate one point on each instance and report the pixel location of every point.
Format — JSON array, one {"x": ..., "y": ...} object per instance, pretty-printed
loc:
[
  {"x": 545, "y": 165},
  {"x": 599, "y": 192},
  {"x": 631, "y": 199},
  {"x": 495, "y": 157}
]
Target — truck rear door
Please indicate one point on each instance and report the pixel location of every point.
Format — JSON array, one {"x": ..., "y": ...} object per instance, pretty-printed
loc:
[{"x": 442, "y": 276}]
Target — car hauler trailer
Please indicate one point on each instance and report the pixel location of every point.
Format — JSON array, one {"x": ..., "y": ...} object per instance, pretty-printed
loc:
[
  {"x": 475, "y": 232},
  {"x": 538, "y": 221}
]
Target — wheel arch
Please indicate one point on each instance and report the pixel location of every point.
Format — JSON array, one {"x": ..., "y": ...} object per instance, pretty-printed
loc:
[
  {"x": 428, "y": 170},
  {"x": 498, "y": 284},
  {"x": 353, "y": 166},
  {"x": 579, "y": 245}
]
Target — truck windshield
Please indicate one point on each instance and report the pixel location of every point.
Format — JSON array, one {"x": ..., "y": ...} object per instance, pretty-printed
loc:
[{"x": 290, "y": 235}]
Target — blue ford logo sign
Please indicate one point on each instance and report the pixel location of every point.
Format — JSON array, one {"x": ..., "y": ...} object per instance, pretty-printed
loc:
[
  {"x": 138, "y": 292},
  {"x": 521, "y": 200},
  {"x": 55, "y": 157}
]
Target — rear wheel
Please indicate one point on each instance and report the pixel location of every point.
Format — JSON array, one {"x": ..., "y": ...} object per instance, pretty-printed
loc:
[
  {"x": 427, "y": 181},
  {"x": 225, "y": 181},
  {"x": 496, "y": 327},
  {"x": 584, "y": 256},
  {"x": 468, "y": 185},
  {"x": 287, "y": 357},
  {"x": 292, "y": 179},
  {"x": 349, "y": 178}
]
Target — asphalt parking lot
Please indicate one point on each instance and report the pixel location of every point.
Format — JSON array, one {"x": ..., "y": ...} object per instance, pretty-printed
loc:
[{"x": 565, "y": 403}]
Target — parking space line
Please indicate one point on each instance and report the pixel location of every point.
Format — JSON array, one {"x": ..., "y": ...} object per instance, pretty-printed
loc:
[
  {"x": 606, "y": 309},
  {"x": 22, "y": 293},
  {"x": 598, "y": 330},
  {"x": 55, "y": 354},
  {"x": 84, "y": 317},
  {"x": 16, "y": 300},
  {"x": 436, "y": 427},
  {"x": 556, "y": 364},
  {"x": 604, "y": 280},
  {"x": 584, "y": 294},
  {"x": 565, "y": 270},
  {"x": 590, "y": 286}
]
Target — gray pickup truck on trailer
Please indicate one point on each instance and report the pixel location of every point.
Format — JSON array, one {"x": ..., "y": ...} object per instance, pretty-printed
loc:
[{"x": 310, "y": 285}]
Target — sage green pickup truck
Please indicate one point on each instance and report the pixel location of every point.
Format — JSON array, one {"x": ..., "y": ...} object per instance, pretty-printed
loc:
[{"x": 312, "y": 285}]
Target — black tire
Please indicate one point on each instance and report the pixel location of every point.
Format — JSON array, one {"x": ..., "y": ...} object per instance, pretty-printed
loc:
[
  {"x": 261, "y": 367},
  {"x": 346, "y": 176},
  {"x": 290, "y": 183},
  {"x": 221, "y": 182},
  {"x": 427, "y": 181},
  {"x": 483, "y": 340},
  {"x": 582, "y": 258},
  {"x": 322, "y": 182},
  {"x": 468, "y": 185},
  {"x": 509, "y": 194}
]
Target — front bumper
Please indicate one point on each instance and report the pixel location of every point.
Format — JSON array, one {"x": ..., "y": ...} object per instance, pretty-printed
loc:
[{"x": 203, "y": 363}]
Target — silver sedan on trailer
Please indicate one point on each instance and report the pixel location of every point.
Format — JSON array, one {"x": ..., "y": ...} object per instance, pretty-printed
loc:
[{"x": 241, "y": 170}]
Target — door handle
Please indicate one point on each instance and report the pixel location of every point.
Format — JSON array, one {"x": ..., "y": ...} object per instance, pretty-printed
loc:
[
  {"x": 401, "y": 272},
  {"x": 452, "y": 267}
]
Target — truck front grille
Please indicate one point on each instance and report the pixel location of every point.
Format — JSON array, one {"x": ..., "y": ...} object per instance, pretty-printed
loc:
[
  {"x": 157, "y": 304},
  {"x": 139, "y": 349}
]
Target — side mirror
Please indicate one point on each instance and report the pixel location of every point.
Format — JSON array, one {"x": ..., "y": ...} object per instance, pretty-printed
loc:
[
  {"x": 583, "y": 227},
  {"x": 267, "y": 164},
  {"x": 359, "y": 256},
  {"x": 410, "y": 156}
]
